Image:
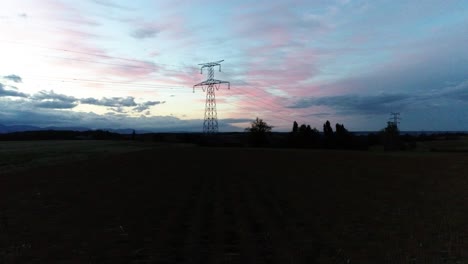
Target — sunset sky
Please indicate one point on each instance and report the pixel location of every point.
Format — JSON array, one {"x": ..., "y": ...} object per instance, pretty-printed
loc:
[{"x": 132, "y": 64}]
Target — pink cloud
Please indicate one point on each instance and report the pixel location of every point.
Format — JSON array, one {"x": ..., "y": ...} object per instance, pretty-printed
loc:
[
  {"x": 58, "y": 10},
  {"x": 184, "y": 78},
  {"x": 282, "y": 56}
]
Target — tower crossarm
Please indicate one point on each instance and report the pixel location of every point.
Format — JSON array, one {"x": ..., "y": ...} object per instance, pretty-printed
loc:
[
  {"x": 212, "y": 82},
  {"x": 211, "y": 64}
]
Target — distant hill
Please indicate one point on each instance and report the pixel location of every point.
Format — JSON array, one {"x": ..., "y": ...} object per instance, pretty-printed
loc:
[
  {"x": 61, "y": 135},
  {"x": 25, "y": 128},
  {"x": 17, "y": 128}
]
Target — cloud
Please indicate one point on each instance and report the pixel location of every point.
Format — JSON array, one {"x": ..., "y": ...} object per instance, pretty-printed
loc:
[
  {"x": 51, "y": 95},
  {"x": 235, "y": 120},
  {"x": 53, "y": 100},
  {"x": 16, "y": 112},
  {"x": 413, "y": 80},
  {"x": 23, "y": 15},
  {"x": 118, "y": 109},
  {"x": 56, "y": 104},
  {"x": 50, "y": 99},
  {"x": 4, "y": 92},
  {"x": 457, "y": 92},
  {"x": 145, "y": 32},
  {"x": 14, "y": 78},
  {"x": 357, "y": 104},
  {"x": 108, "y": 3},
  {"x": 146, "y": 105},
  {"x": 118, "y": 104},
  {"x": 174, "y": 27},
  {"x": 66, "y": 12},
  {"x": 111, "y": 102}
]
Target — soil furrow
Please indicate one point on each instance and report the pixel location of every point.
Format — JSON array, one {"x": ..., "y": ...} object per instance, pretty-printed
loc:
[
  {"x": 256, "y": 221},
  {"x": 250, "y": 252},
  {"x": 178, "y": 225}
]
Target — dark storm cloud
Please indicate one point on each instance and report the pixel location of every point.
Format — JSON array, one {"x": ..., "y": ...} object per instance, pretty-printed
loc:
[
  {"x": 4, "y": 92},
  {"x": 24, "y": 111},
  {"x": 56, "y": 104},
  {"x": 52, "y": 100},
  {"x": 52, "y": 96},
  {"x": 146, "y": 105},
  {"x": 14, "y": 78},
  {"x": 364, "y": 104},
  {"x": 111, "y": 102},
  {"x": 457, "y": 92}
]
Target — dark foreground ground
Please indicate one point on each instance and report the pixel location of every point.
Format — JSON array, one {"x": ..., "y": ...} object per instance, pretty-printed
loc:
[{"x": 212, "y": 205}]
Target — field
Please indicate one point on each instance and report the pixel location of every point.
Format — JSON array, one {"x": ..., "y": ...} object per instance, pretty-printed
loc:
[
  {"x": 23, "y": 155},
  {"x": 130, "y": 202}
]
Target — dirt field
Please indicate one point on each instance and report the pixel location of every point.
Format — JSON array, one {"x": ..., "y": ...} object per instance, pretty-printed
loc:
[
  {"x": 23, "y": 155},
  {"x": 183, "y": 204}
]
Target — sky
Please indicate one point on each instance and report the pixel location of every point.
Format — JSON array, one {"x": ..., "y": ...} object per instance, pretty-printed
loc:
[{"x": 133, "y": 64}]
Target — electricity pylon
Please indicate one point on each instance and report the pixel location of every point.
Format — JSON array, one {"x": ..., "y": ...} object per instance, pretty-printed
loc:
[
  {"x": 210, "y": 124},
  {"x": 396, "y": 118}
]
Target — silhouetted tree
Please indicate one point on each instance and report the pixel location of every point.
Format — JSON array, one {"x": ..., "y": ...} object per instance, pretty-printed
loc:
[
  {"x": 342, "y": 136},
  {"x": 258, "y": 132},
  {"x": 313, "y": 136},
  {"x": 303, "y": 129},
  {"x": 340, "y": 130},
  {"x": 259, "y": 126},
  {"x": 328, "y": 139},
  {"x": 295, "y": 128},
  {"x": 391, "y": 137},
  {"x": 327, "y": 130},
  {"x": 304, "y": 136}
]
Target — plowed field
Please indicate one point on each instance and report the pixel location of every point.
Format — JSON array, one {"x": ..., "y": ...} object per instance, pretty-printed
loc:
[{"x": 238, "y": 205}]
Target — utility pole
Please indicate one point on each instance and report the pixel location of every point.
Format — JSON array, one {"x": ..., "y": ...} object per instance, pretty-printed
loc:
[
  {"x": 210, "y": 124},
  {"x": 395, "y": 119}
]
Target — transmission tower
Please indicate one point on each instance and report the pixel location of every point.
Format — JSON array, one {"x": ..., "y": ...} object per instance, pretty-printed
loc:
[
  {"x": 395, "y": 119},
  {"x": 210, "y": 124}
]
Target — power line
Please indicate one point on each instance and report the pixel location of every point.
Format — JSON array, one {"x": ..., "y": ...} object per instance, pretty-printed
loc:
[
  {"x": 150, "y": 86},
  {"x": 274, "y": 107},
  {"x": 142, "y": 85},
  {"x": 257, "y": 99},
  {"x": 271, "y": 107},
  {"x": 96, "y": 54},
  {"x": 114, "y": 64},
  {"x": 247, "y": 109}
]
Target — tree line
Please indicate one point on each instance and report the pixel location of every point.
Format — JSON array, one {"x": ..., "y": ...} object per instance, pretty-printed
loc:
[
  {"x": 258, "y": 134},
  {"x": 304, "y": 136}
]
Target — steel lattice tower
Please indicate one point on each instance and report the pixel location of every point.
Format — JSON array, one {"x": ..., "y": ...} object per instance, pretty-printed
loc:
[
  {"x": 395, "y": 118},
  {"x": 210, "y": 124}
]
